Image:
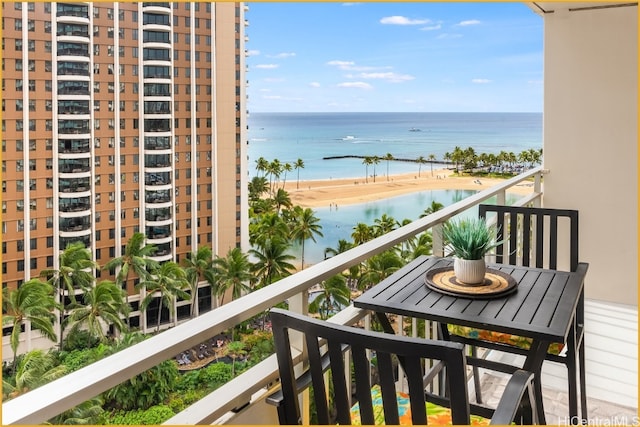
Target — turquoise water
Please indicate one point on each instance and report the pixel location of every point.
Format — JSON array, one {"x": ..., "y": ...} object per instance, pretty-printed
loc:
[{"x": 313, "y": 136}]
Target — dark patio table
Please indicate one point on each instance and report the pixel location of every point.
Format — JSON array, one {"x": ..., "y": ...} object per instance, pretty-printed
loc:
[{"x": 543, "y": 307}]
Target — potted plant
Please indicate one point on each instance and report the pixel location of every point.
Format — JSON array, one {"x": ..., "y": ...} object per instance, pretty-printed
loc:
[{"x": 469, "y": 240}]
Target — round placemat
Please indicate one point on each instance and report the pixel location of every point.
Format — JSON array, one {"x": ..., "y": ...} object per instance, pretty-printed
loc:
[{"x": 496, "y": 284}]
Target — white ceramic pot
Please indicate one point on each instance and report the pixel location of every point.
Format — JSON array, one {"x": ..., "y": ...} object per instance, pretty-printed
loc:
[{"x": 469, "y": 271}]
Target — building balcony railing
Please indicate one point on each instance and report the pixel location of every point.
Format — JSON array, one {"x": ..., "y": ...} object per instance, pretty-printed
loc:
[{"x": 248, "y": 389}]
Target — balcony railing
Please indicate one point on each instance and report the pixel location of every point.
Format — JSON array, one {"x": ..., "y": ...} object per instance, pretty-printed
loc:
[{"x": 58, "y": 396}]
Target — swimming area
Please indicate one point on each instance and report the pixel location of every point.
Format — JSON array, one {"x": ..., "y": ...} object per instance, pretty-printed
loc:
[{"x": 314, "y": 136}]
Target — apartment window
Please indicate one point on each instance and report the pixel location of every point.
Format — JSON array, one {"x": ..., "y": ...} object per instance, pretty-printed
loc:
[
  {"x": 33, "y": 263},
  {"x": 49, "y": 222},
  {"x": 49, "y": 241},
  {"x": 18, "y": 45},
  {"x": 19, "y": 104},
  {"x": 33, "y": 244},
  {"x": 32, "y": 45},
  {"x": 32, "y": 104},
  {"x": 20, "y": 265},
  {"x": 47, "y": 46},
  {"x": 18, "y": 64}
]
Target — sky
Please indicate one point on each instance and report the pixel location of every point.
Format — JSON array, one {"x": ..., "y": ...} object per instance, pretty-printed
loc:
[{"x": 393, "y": 57}]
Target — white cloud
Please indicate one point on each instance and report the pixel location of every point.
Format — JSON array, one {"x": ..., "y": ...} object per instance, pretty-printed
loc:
[
  {"x": 356, "y": 85},
  {"x": 431, "y": 28},
  {"x": 343, "y": 65},
  {"x": 390, "y": 76},
  {"x": 266, "y": 66},
  {"x": 449, "y": 36},
  {"x": 403, "y": 20},
  {"x": 351, "y": 4},
  {"x": 314, "y": 84},
  {"x": 284, "y": 55},
  {"x": 253, "y": 52},
  {"x": 467, "y": 23},
  {"x": 480, "y": 81}
]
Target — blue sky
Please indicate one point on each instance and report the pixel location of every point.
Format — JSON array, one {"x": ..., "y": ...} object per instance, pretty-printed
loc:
[{"x": 394, "y": 56}]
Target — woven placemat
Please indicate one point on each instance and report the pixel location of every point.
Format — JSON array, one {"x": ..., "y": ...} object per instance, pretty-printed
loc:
[{"x": 496, "y": 284}]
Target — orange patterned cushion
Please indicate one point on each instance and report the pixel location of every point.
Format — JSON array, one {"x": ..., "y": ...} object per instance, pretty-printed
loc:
[
  {"x": 436, "y": 414},
  {"x": 500, "y": 337}
]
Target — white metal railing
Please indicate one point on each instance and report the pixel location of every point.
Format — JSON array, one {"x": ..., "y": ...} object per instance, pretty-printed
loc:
[{"x": 45, "y": 402}]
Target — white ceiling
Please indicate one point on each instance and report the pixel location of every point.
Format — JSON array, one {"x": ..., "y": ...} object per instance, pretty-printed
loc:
[{"x": 544, "y": 7}]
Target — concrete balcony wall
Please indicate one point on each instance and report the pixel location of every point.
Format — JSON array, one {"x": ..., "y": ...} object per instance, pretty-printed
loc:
[{"x": 591, "y": 138}]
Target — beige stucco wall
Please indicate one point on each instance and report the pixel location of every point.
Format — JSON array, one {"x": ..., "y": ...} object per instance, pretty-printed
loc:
[{"x": 591, "y": 140}]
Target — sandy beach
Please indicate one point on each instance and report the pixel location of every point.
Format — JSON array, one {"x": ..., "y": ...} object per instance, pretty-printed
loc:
[{"x": 322, "y": 193}]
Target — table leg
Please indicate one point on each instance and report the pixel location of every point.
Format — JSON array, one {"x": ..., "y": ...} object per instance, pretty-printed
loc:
[{"x": 386, "y": 324}]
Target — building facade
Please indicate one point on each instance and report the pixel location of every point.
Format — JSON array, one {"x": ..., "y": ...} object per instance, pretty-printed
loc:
[{"x": 120, "y": 118}]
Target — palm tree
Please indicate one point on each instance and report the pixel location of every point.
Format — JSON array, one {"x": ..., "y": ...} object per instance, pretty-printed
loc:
[
  {"x": 379, "y": 267},
  {"x": 169, "y": 280},
  {"x": 136, "y": 257},
  {"x": 232, "y": 272},
  {"x": 388, "y": 157},
  {"x": 274, "y": 170},
  {"x": 75, "y": 272},
  {"x": 36, "y": 368},
  {"x": 196, "y": 265},
  {"x": 433, "y": 207},
  {"x": 299, "y": 164},
  {"x": 86, "y": 413},
  {"x": 262, "y": 165},
  {"x": 432, "y": 157},
  {"x": 366, "y": 162},
  {"x": 257, "y": 187},
  {"x": 269, "y": 226},
  {"x": 34, "y": 302},
  {"x": 383, "y": 225},
  {"x": 103, "y": 305},
  {"x": 305, "y": 226},
  {"x": 286, "y": 168},
  {"x": 361, "y": 233},
  {"x": 374, "y": 161},
  {"x": 272, "y": 260},
  {"x": 282, "y": 199},
  {"x": 235, "y": 349},
  {"x": 420, "y": 160},
  {"x": 335, "y": 294},
  {"x": 422, "y": 244},
  {"x": 343, "y": 246}
]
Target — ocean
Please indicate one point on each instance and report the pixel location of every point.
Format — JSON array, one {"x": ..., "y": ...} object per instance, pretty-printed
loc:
[{"x": 315, "y": 136}]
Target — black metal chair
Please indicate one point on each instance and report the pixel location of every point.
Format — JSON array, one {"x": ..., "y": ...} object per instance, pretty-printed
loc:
[
  {"x": 532, "y": 237},
  {"x": 326, "y": 344}
]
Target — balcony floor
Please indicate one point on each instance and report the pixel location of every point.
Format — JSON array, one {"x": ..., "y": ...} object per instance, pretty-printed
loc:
[{"x": 555, "y": 404}]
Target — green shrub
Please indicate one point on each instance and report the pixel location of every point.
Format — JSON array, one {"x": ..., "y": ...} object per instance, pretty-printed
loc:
[
  {"x": 155, "y": 415},
  {"x": 216, "y": 374}
]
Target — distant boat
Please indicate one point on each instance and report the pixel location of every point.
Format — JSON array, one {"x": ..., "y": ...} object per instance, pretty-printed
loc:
[
  {"x": 414, "y": 130},
  {"x": 348, "y": 137}
]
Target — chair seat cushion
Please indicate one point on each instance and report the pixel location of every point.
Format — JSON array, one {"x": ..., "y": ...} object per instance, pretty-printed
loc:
[
  {"x": 436, "y": 414},
  {"x": 500, "y": 337}
]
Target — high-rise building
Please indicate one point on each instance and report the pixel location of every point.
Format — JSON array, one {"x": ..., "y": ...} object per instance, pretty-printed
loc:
[{"x": 120, "y": 118}]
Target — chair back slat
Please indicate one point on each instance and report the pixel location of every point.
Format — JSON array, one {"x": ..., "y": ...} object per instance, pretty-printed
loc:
[
  {"x": 387, "y": 348},
  {"x": 341, "y": 389},
  {"x": 532, "y": 236}
]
